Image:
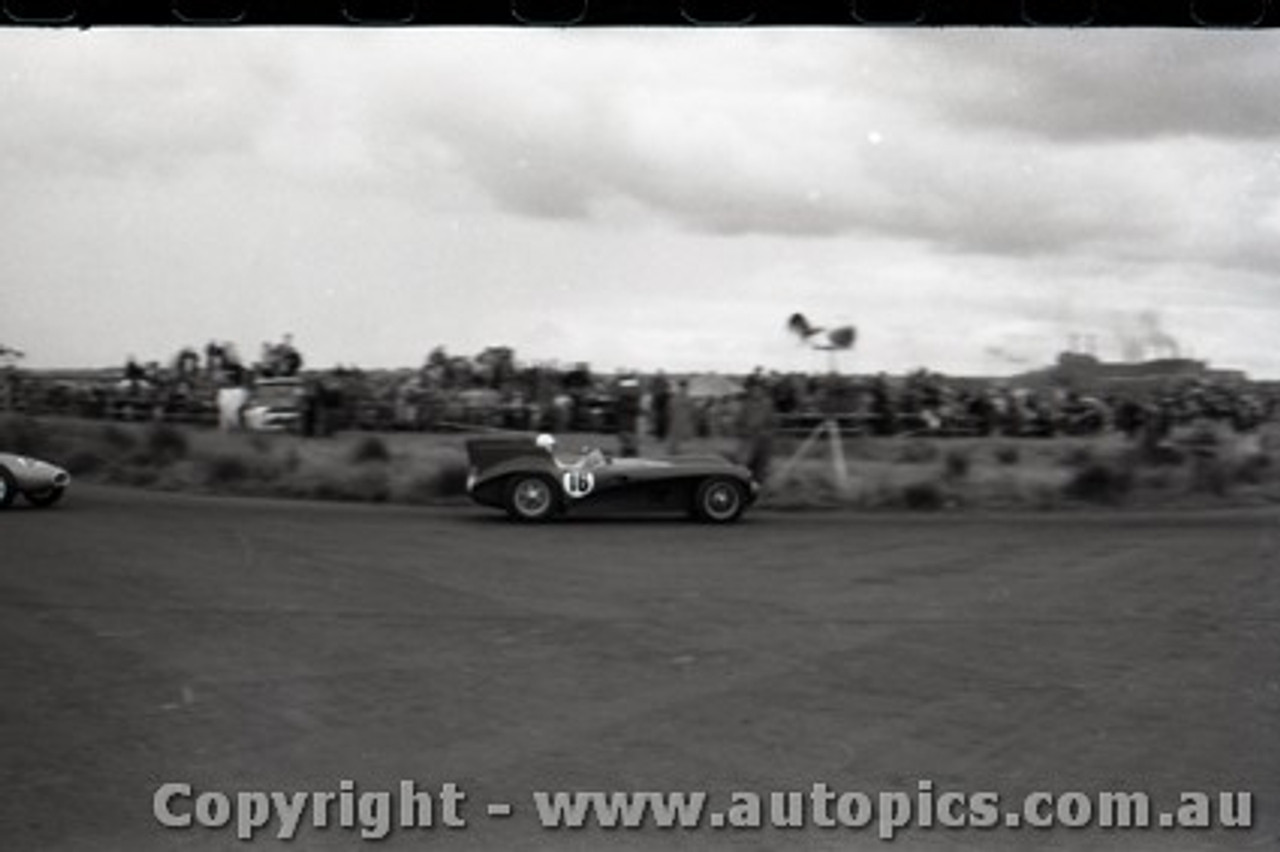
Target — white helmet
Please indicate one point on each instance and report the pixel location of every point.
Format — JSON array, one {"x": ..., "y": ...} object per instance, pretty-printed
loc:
[{"x": 546, "y": 441}]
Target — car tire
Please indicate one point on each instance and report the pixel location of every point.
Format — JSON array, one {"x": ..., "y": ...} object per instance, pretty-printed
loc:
[
  {"x": 719, "y": 500},
  {"x": 8, "y": 487},
  {"x": 531, "y": 499},
  {"x": 45, "y": 498}
]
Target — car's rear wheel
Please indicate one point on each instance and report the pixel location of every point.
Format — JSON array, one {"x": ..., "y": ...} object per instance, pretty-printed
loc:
[
  {"x": 719, "y": 501},
  {"x": 45, "y": 497},
  {"x": 531, "y": 498},
  {"x": 8, "y": 487}
]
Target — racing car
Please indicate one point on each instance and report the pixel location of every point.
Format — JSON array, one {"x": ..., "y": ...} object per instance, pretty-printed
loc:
[
  {"x": 41, "y": 483},
  {"x": 532, "y": 481}
]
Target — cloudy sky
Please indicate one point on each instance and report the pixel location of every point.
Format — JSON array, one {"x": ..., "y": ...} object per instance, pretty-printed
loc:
[{"x": 969, "y": 199}]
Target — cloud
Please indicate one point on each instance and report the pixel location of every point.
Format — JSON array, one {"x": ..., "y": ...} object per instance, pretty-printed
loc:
[
  {"x": 105, "y": 105},
  {"x": 647, "y": 192},
  {"x": 1108, "y": 85},
  {"x": 986, "y": 143},
  {"x": 973, "y": 143}
]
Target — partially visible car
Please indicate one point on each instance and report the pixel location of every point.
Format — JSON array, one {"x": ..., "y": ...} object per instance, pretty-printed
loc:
[
  {"x": 531, "y": 481},
  {"x": 41, "y": 483},
  {"x": 275, "y": 405}
]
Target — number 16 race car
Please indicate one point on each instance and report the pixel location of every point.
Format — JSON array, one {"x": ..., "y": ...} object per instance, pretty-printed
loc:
[
  {"x": 533, "y": 482},
  {"x": 40, "y": 482}
]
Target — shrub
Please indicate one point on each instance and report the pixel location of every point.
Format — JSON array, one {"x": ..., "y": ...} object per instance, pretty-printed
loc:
[
  {"x": 140, "y": 477},
  {"x": 370, "y": 449},
  {"x": 1042, "y": 496},
  {"x": 1210, "y": 475},
  {"x": 166, "y": 444},
  {"x": 23, "y": 435},
  {"x": 450, "y": 479},
  {"x": 1253, "y": 468},
  {"x": 259, "y": 442},
  {"x": 225, "y": 469},
  {"x": 1161, "y": 454},
  {"x": 957, "y": 464},
  {"x": 927, "y": 496},
  {"x": 1156, "y": 479},
  {"x": 369, "y": 485},
  {"x": 918, "y": 452},
  {"x": 1008, "y": 454},
  {"x": 118, "y": 439},
  {"x": 85, "y": 463},
  {"x": 807, "y": 486},
  {"x": 419, "y": 489},
  {"x": 1080, "y": 457},
  {"x": 438, "y": 477},
  {"x": 1101, "y": 482}
]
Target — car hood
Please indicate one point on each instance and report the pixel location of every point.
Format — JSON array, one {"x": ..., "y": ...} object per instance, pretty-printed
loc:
[
  {"x": 671, "y": 462},
  {"x": 31, "y": 472}
]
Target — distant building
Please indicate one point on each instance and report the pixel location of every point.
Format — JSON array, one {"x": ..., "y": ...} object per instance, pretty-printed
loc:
[{"x": 1083, "y": 371}]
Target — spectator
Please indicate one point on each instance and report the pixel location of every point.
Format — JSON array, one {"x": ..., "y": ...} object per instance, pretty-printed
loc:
[
  {"x": 213, "y": 359},
  {"x": 661, "y": 405},
  {"x": 679, "y": 418},
  {"x": 756, "y": 424},
  {"x": 288, "y": 361},
  {"x": 628, "y": 407},
  {"x": 187, "y": 363}
]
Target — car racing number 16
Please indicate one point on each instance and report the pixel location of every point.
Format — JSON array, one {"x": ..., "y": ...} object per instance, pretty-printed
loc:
[{"x": 578, "y": 483}]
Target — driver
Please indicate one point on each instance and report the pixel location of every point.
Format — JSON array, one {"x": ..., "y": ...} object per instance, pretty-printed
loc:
[
  {"x": 594, "y": 457},
  {"x": 590, "y": 458}
]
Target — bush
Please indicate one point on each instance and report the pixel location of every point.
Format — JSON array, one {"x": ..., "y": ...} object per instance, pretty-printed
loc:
[
  {"x": 807, "y": 486},
  {"x": 1008, "y": 454},
  {"x": 369, "y": 485},
  {"x": 957, "y": 464},
  {"x": 1101, "y": 482},
  {"x": 166, "y": 444},
  {"x": 23, "y": 435},
  {"x": 118, "y": 439},
  {"x": 450, "y": 479},
  {"x": 1156, "y": 479},
  {"x": 370, "y": 449},
  {"x": 225, "y": 469},
  {"x": 140, "y": 477},
  {"x": 918, "y": 452},
  {"x": 1210, "y": 475},
  {"x": 1162, "y": 454},
  {"x": 1042, "y": 496},
  {"x": 1253, "y": 469},
  {"x": 438, "y": 477},
  {"x": 927, "y": 496},
  {"x": 1079, "y": 457},
  {"x": 85, "y": 463}
]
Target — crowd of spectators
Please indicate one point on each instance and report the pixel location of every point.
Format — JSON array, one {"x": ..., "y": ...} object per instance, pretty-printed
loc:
[{"x": 493, "y": 390}]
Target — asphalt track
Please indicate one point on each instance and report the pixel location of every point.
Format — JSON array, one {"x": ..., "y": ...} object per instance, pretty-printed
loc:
[{"x": 259, "y": 645}]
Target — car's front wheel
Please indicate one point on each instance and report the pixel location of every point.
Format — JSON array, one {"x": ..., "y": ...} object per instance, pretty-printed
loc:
[
  {"x": 45, "y": 497},
  {"x": 719, "y": 501},
  {"x": 531, "y": 498},
  {"x": 8, "y": 487}
]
